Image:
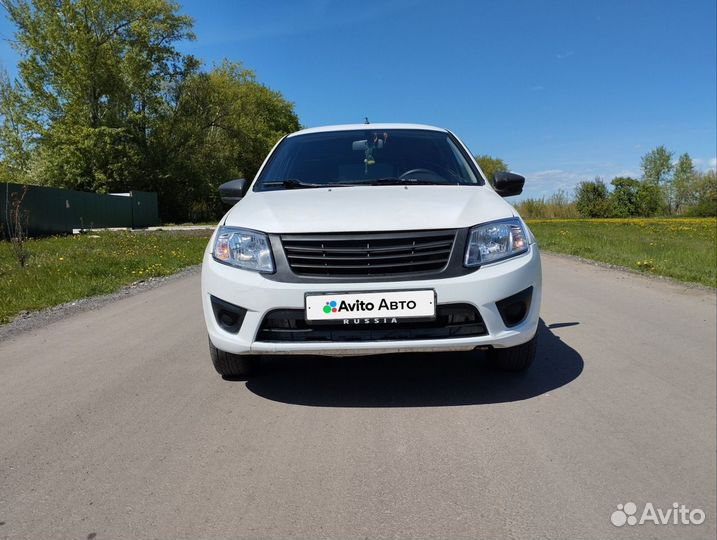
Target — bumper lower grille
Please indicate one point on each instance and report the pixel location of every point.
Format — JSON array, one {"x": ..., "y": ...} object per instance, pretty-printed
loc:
[
  {"x": 379, "y": 254},
  {"x": 452, "y": 321}
]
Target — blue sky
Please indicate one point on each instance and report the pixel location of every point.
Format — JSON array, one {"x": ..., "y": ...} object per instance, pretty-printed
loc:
[{"x": 561, "y": 90}]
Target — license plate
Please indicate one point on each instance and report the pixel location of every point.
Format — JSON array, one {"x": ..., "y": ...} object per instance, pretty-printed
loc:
[{"x": 399, "y": 305}]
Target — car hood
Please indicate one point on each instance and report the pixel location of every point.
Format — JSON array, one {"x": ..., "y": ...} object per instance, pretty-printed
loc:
[{"x": 368, "y": 208}]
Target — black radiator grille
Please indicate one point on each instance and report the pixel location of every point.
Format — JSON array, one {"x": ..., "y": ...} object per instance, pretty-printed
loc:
[
  {"x": 452, "y": 321},
  {"x": 379, "y": 254}
]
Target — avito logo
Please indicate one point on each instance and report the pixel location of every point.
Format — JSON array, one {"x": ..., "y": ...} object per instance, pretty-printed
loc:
[{"x": 627, "y": 514}]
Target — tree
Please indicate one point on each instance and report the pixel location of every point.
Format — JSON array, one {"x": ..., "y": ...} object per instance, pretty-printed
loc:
[
  {"x": 490, "y": 165},
  {"x": 684, "y": 183},
  {"x": 592, "y": 199},
  {"x": 97, "y": 62},
  {"x": 105, "y": 102},
  {"x": 92, "y": 76},
  {"x": 15, "y": 136},
  {"x": 223, "y": 125},
  {"x": 656, "y": 166},
  {"x": 625, "y": 196},
  {"x": 705, "y": 186},
  {"x": 101, "y": 159},
  {"x": 650, "y": 200},
  {"x": 657, "y": 170}
]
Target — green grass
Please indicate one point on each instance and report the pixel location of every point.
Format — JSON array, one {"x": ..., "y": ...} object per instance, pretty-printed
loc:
[
  {"x": 62, "y": 269},
  {"x": 681, "y": 248}
]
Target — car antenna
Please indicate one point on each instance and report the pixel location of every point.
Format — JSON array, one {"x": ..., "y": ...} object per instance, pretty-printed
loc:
[{"x": 365, "y": 120}]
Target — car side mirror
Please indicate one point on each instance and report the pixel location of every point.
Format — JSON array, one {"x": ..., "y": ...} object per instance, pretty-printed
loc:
[
  {"x": 507, "y": 183},
  {"x": 232, "y": 192}
]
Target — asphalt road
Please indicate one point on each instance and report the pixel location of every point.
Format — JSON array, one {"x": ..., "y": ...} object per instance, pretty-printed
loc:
[{"x": 113, "y": 424}]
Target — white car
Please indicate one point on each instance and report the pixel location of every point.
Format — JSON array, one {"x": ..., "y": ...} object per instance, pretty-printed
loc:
[{"x": 370, "y": 239}]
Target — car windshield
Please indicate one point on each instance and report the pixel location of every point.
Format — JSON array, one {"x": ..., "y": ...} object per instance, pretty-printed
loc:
[{"x": 367, "y": 157}]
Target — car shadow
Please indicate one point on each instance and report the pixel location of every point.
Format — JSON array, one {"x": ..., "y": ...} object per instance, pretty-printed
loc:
[{"x": 413, "y": 380}]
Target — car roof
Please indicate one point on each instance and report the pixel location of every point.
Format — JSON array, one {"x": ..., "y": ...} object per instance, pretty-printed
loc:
[{"x": 364, "y": 127}]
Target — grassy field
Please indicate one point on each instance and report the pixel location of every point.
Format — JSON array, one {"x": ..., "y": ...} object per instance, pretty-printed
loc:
[
  {"x": 62, "y": 269},
  {"x": 680, "y": 248}
]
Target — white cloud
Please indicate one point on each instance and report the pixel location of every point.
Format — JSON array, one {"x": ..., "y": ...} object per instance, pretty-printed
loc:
[
  {"x": 705, "y": 164},
  {"x": 563, "y": 55},
  {"x": 540, "y": 184},
  {"x": 627, "y": 173}
]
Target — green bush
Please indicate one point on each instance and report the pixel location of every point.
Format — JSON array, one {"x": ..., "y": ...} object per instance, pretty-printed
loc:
[
  {"x": 705, "y": 188},
  {"x": 650, "y": 200},
  {"x": 592, "y": 199},
  {"x": 625, "y": 196}
]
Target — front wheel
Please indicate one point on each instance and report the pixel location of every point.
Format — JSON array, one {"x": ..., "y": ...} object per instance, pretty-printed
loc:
[
  {"x": 232, "y": 365},
  {"x": 516, "y": 358}
]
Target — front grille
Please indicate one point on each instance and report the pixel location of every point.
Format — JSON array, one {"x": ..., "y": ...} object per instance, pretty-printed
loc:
[
  {"x": 452, "y": 321},
  {"x": 377, "y": 254}
]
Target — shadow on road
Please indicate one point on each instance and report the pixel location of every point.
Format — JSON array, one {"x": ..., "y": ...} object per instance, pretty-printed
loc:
[{"x": 413, "y": 380}]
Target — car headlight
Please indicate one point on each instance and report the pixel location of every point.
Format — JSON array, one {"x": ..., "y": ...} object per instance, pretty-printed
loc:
[
  {"x": 495, "y": 241},
  {"x": 244, "y": 249}
]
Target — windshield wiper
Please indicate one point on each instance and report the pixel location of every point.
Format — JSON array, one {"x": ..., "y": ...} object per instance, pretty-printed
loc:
[
  {"x": 394, "y": 181},
  {"x": 293, "y": 183}
]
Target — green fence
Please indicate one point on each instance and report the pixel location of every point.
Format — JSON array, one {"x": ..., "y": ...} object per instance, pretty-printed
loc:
[{"x": 58, "y": 211}]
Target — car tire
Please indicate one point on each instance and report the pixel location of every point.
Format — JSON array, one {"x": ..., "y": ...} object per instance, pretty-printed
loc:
[
  {"x": 518, "y": 358},
  {"x": 232, "y": 365}
]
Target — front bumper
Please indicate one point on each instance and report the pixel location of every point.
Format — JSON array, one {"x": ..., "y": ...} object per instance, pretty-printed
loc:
[{"x": 482, "y": 288}]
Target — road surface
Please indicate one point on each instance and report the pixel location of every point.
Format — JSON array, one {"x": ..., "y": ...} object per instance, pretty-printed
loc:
[{"x": 113, "y": 424}]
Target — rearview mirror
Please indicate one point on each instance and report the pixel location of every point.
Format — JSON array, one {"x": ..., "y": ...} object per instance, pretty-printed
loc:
[
  {"x": 507, "y": 183},
  {"x": 232, "y": 192},
  {"x": 363, "y": 145}
]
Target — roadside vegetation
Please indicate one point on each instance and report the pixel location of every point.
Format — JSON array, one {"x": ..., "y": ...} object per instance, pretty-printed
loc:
[
  {"x": 558, "y": 206},
  {"x": 67, "y": 268},
  {"x": 104, "y": 101},
  {"x": 681, "y": 248},
  {"x": 662, "y": 223},
  {"x": 666, "y": 188}
]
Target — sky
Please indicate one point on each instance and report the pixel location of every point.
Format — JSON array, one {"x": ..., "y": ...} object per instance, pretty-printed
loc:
[{"x": 562, "y": 91}]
